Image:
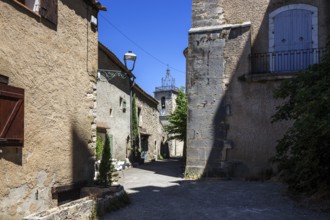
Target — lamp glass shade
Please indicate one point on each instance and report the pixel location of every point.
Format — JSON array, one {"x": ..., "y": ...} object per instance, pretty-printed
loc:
[{"x": 130, "y": 56}]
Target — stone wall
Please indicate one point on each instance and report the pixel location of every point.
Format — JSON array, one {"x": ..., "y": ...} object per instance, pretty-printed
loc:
[
  {"x": 57, "y": 66},
  {"x": 207, "y": 85},
  {"x": 149, "y": 123},
  {"x": 170, "y": 103},
  {"x": 229, "y": 119}
]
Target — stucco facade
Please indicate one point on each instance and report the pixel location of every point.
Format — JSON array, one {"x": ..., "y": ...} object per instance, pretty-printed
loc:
[
  {"x": 230, "y": 106},
  {"x": 150, "y": 127},
  {"x": 114, "y": 105},
  {"x": 56, "y": 65}
]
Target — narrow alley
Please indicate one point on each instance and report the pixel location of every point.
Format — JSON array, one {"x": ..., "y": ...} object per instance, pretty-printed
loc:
[{"x": 158, "y": 191}]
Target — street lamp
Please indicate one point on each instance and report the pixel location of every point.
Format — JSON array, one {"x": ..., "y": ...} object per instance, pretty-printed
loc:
[{"x": 129, "y": 57}]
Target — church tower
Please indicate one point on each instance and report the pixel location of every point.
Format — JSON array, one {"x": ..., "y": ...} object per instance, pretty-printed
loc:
[{"x": 166, "y": 95}]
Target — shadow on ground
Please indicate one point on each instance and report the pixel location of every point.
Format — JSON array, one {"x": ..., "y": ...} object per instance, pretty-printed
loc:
[
  {"x": 158, "y": 192},
  {"x": 169, "y": 167}
]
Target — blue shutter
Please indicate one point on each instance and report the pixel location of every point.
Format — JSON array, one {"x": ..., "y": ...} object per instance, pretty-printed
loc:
[{"x": 292, "y": 38}]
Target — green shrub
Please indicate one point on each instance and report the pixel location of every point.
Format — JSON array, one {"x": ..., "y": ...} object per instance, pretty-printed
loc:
[
  {"x": 105, "y": 166},
  {"x": 99, "y": 147},
  {"x": 303, "y": 154}
]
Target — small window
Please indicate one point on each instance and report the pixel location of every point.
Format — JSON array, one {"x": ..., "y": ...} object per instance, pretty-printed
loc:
[
  {"x": 124, "y": 106},
  {"x": 110, "y": 112},
  {"x": 32, "y": 4},
  {"x": 163, "y": 102},
  {"x": 46, "y": 8},
  {"x": 120, "y": 101},
  {"x": 139, "y": 116}
]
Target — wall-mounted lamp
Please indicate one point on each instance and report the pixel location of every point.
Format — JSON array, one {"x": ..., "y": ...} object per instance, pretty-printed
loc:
[{"x": 129, "y": 59}]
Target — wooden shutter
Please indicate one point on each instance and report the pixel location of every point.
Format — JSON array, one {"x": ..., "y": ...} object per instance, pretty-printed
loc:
[
  {"x": 293, "y": 38},
  {"x": 11, "y": 116},
  {"x": 49, "y": 10}
]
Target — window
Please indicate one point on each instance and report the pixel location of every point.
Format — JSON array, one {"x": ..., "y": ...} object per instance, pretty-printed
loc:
[
  {"x": 122, "y": 104},
  {"x": 162, "y": 105},
  {"x": 11, "y": 116},
  {"x": 32, "y": 4},
  {"x": 120, "y": 101},
  {"x": 293, "y": 37},
  {"x": 46, "y": 8},
  {"x": 140, "y": 116},
  {"x": 163, "y": 102},
  {"x": 110, "y": 112}
]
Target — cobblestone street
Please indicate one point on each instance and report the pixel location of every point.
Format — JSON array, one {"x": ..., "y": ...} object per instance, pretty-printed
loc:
[{"x": 158, "y": 191}]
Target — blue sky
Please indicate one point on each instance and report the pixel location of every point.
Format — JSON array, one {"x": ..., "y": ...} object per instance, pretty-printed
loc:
[{"x": 156, "y": 31}]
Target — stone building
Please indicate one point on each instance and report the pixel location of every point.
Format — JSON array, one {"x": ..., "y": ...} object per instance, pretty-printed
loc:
[
  {"x": 166, "y": 95},
  {"x": 239, "y": 51},
  {"x": 115, "y": 89},
  {"x": 150, "y": 127},
  {"x": 48, "y": 68},
  {"x": 114, "y": 102}
]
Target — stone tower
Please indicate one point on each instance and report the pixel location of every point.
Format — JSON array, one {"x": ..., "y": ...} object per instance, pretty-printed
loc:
[
  {"x": 166, "y": 95},
  {"x": 210, "y": 43}
]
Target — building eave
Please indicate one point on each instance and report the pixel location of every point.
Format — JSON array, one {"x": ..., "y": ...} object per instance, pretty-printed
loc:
[{"x": 116, "y": 60}]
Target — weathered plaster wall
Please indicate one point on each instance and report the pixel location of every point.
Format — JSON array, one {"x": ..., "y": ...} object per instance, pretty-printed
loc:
[
  {"x": 56, "y": 65},
  {"x": 149, "y": 123},
  {"x": 118, "y": 122},
  {"x": 109, "y": 96},
  {"x": 257, "y": 11}
]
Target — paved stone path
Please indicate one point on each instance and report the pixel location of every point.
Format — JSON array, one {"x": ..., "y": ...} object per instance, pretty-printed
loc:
[{"x": 158, "y": 191}]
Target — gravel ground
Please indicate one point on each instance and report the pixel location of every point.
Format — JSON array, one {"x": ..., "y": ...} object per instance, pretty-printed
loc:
[{"x": 158, "y": 191}]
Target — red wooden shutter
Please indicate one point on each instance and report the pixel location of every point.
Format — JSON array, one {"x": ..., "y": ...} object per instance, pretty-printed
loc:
[
  {"x": 11, "y": 116},
  {"x": 48, "y": 10}
]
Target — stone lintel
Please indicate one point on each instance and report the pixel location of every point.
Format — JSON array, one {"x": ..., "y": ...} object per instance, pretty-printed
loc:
[{"x": 218, "y": 27}]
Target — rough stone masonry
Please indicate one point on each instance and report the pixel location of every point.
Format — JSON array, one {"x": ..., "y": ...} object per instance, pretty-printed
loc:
[{"x": 207, "y": 83}]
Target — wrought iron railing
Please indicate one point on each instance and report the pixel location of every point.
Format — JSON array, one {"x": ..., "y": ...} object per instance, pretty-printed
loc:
[
  {"x": 286, "y": 61},
  {"x": 166, "y": 88}
]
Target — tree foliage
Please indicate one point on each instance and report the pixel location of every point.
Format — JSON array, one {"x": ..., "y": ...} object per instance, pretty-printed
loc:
[
  {"x": 303, "y": 154},
  {"x": 177, "y": 127}
]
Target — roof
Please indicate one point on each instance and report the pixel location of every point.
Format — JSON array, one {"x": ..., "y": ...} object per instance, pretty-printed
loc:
[
  {"x": 149, "y": 97},
  {"x": 115, "y": 59},
  {"x": 97, "y": 5}
]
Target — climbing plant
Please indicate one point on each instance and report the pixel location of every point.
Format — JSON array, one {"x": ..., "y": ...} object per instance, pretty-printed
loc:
[
  {"x": 303, "y": 154},
  {"x": 135, "y": 130}
]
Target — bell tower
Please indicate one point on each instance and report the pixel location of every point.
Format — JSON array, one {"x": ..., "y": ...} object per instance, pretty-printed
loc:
[{"x": 166, "y": 95}]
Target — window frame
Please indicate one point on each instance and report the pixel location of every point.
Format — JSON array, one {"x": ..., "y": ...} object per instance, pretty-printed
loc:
[{"x": 274, "y": 13}]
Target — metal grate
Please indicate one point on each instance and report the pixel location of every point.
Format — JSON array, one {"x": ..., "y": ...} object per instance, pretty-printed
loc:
[{"x": 286, "y": 61}]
